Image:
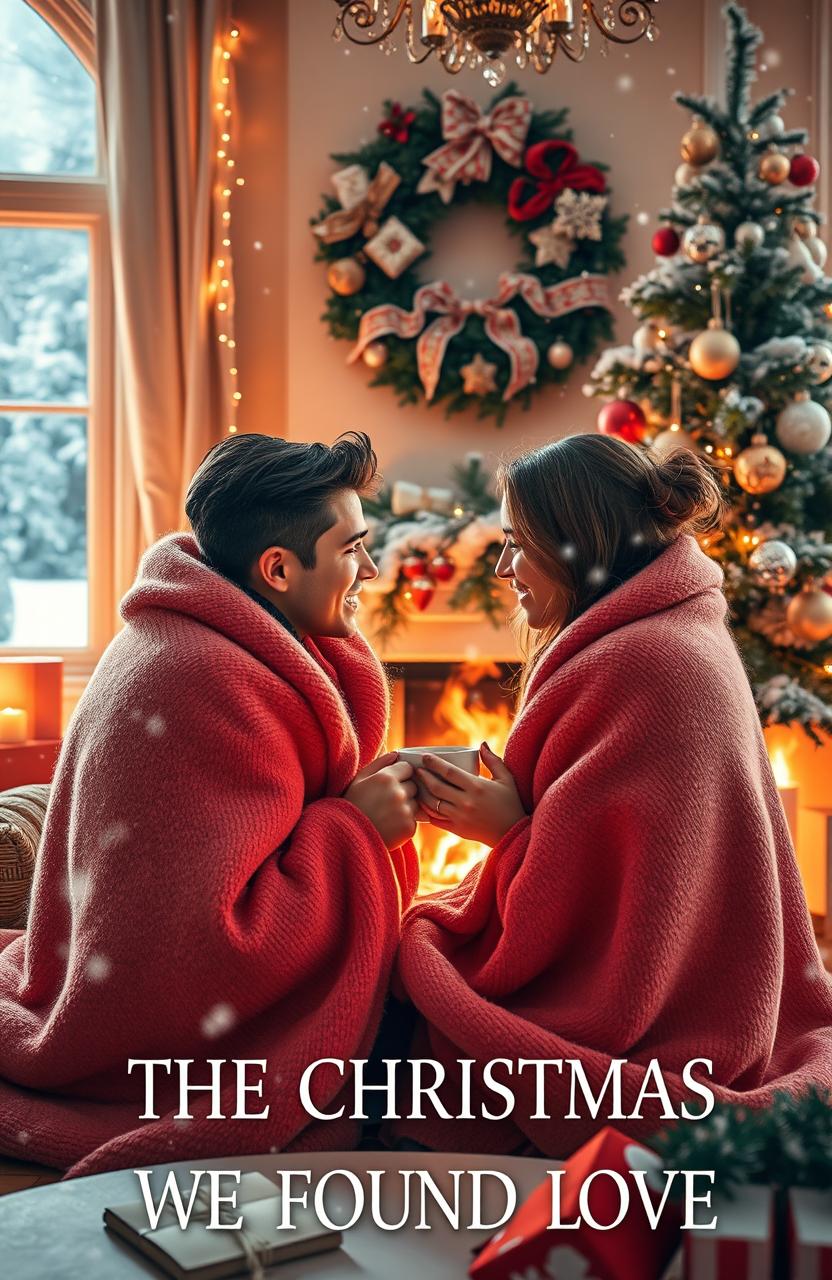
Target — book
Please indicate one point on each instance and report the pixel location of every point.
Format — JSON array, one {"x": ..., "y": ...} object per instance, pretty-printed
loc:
[{"x": 195, "y": 1253}]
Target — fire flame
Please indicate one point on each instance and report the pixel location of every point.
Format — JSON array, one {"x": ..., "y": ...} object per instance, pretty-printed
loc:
[
  {"x": 462, "y": 719},
  {"x": 780, "y": 768}
]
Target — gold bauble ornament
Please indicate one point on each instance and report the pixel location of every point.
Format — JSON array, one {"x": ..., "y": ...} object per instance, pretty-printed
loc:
[
  {"x": 700, "y": 144},
  {"x": 714, "y": 353},
  {"x": 673, "y": 438},
  {"x": 375, "y": 355},
  {"x": 760, "y": 468},
  {"x": 810, "y": 615},
  {"x": 774, "y": 167},
  {"x": 560, "y": 355},
  {"x": 346, "y": 277}
]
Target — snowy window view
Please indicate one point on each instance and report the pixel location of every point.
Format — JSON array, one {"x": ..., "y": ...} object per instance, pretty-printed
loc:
[{"x": 47, "y": 100}]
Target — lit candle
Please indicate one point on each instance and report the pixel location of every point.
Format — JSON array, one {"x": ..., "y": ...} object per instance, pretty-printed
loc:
[
  {"x": 560, "y": 15},
  {"x": 434, "y": 27},
  {"x": 787, "y": 789},
  {"x": 14, "y": 724}
]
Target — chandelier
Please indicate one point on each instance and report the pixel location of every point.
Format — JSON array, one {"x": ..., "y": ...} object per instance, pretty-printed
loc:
[{"x": 487, "y": 33}]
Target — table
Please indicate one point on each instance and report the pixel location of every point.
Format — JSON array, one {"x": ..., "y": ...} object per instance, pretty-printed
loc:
[{"x": 57, "y": 1231}]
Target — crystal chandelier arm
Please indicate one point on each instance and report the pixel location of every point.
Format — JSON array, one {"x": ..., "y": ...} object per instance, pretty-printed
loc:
[
  {"x": 631, "y": 13},
  {"x": 362, "y": 14}
]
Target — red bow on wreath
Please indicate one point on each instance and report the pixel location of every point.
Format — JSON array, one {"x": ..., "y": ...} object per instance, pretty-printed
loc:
[
  {"x": 397, "y": 125},
  {"x": 553, "y": 166}
]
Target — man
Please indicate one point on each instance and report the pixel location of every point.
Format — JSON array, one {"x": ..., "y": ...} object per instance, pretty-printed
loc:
[{"x": 225, "y": 857}]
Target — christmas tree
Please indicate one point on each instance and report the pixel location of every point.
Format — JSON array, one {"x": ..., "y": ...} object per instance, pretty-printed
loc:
[{"x": 733, "y": 358}]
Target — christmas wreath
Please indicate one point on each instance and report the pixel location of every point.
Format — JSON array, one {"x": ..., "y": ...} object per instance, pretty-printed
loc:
[{"x": 423, "y": 339}]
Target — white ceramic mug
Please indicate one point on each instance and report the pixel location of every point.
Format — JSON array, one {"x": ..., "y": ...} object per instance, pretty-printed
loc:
[{"x": 467, "y": 758}]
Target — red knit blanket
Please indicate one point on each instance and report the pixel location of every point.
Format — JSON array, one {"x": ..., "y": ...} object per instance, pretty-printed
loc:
[
  {"x": 201, "y": 890},
  {"x": 651, "y": 906}
]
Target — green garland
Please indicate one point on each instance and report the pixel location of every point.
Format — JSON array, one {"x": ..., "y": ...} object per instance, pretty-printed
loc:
[{"x": 583, "y": 330}]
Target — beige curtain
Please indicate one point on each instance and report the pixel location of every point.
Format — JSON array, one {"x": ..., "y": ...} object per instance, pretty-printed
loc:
[{"x": 155, "y": 62}]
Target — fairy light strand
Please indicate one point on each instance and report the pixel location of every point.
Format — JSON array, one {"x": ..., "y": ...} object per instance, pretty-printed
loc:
[{"x": 226, "y": 183}]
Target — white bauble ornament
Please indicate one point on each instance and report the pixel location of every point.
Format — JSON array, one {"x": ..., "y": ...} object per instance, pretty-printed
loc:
[
  {"x": 714, "y": 353},
  {"x": 810, "y": 615},
  {"x": 686, "y": 175},
  {"x": 771, "y": 128},
  {"x": 804, "y": 425},
  {"x": 760, "y": 468},
  {"x": 799, "y": 256},
  {"x": 749, "y": 235},
  {"x": 703, "y": 241},
  {"x": 673, "y": 438},
  {"x": 819, "y": 362},
  {"x": 375, "y": 355},
  {"x": 772, "y": 564},
  {"x": 560, "y": 355},
  {"x": 817, "y": 251}
]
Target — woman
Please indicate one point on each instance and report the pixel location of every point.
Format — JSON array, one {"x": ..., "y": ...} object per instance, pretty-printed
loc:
[{"x": 641, "y": 899}]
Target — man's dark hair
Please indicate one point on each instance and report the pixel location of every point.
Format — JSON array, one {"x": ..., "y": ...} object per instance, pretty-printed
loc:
[{"x": 251, "y": 492}]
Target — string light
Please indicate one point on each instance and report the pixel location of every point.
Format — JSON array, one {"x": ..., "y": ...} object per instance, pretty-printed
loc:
[{"x": 221, "y": 282}]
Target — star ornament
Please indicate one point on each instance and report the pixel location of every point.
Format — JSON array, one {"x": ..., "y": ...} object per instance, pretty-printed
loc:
[
  {"x": 579, "y": 214},
  {"x": 479, "y": 377},
  {"x": 552, "y": 245}
]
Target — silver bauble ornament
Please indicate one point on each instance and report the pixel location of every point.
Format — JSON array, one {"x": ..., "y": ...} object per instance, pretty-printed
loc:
[
  {"x": 772, "y": 564},
  {"x": 771, "y": 128},
  {"x": 714, "y": 353},
  {"x": 686, "y": 175},
  {"x": 817, "y": 250},
  {"x": 804, "y": 425},
  {"x": 819, "y": 362},
  {"x": 749, "y": 235},
  {"x": 346, "y": 277},
  {"x": 810, "y": 615},
  {"x": 375, "y": 355},
  {"x": 703, "y": 241},
  {"x": 760, "y": 468},
  {"x": 560, "y": 355}
]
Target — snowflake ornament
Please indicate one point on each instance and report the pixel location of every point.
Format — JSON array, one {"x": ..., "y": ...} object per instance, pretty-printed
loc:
[{"x": 579, "y": 214}]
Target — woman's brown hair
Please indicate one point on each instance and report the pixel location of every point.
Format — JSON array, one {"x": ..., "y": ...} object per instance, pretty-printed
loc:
[{"x": 591, "y": 510}]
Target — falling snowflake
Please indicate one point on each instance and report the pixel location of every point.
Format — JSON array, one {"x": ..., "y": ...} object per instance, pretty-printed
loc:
[
  {"x": 217, "y": 1021},
  {"x": 98, "y": 968},
  {"x": 23, "y": 1137},
  {"x": 79, "y": 883},
  {"x": 625, "y": 83},
  {"x": 579, "y": 214},
  {"x": 596, "y": 575},
  {"x": 642, "y": 218},
  {"x": 113, "y": 835},
  {"x": 565, "y": 1263},
  {"x": 155, "y": 726},
  {"x": 258, "y": 245},
  {"x": 568, "y": 551}
]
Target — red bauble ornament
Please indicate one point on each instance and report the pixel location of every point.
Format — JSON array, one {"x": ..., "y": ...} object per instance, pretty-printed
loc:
[
  {"x": 422, "y": 592},
  {"x": 803, "y": 171},
  {"x": 623, "y": 418},
  {"x": 666, "y": 242},
  {"x": 442, "y": 568},
  {"x": 414, "y": 567}
]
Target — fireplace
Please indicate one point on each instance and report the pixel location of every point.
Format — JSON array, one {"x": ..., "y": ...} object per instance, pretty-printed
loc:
[{"x": 463, "y": 704}]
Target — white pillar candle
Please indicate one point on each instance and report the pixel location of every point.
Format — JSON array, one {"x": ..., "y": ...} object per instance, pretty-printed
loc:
[{"x": 14, "y": 724}]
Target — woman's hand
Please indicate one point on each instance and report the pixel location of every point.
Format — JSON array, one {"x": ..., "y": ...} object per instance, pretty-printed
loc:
[{"x": 482, "y": 809}]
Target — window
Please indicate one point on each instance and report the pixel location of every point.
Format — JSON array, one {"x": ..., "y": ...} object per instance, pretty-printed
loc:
[{"x": 53, "y": 334}]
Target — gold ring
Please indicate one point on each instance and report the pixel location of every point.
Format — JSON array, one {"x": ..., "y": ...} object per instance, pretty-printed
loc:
[{"x": 439, "y": 808}]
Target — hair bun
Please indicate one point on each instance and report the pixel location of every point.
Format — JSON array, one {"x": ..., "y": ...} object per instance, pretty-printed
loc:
[{"x": 684, "y": 491}]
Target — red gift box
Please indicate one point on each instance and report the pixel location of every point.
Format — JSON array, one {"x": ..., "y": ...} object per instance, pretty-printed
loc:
[
  {"x": 528, "y": 1249},
  {"x": 810, "y": 1234},
  {"x": 740, "y": 1246}
]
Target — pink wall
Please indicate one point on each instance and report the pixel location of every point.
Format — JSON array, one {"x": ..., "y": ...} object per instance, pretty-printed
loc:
[{"x": 293, "y": 376}]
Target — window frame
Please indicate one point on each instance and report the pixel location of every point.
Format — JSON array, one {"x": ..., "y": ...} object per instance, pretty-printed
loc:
[{"x": 80, "y": 203}]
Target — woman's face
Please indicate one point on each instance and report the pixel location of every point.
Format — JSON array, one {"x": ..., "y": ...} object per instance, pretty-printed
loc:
[{"x": 537, "y": 594}]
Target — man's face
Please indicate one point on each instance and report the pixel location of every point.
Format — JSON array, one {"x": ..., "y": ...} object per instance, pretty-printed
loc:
[{"x": 324, "y": 600}]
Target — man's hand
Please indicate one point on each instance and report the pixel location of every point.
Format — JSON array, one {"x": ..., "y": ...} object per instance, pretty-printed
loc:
[{"x": 385, "y": 793}]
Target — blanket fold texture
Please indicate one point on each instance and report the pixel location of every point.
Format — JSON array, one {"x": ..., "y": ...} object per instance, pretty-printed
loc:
[
  {"x": 202, "y": 891},
  {"x": 650, "y": 906}
]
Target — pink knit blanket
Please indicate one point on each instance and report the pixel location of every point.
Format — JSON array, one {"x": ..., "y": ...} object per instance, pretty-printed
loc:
[
  {"x": 651, "y": 906},
  {"x": 202, "y": 891}
]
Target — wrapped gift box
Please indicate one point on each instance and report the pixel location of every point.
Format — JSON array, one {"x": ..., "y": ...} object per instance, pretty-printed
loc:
[
  {"x": 740, "y": 1246},
  {"x": 527, "y": 1249},
  {"x": 810, "y": 1234}
]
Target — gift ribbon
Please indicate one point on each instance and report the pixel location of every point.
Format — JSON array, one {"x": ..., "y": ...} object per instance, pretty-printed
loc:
[
  {"x": 471, "y": 139},
  {"x": 251, "y": 1245},
  {"x": 363, "y": 216},
  {"x": 502, "y": 324},
  {"x": 552, "y": 167}
]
